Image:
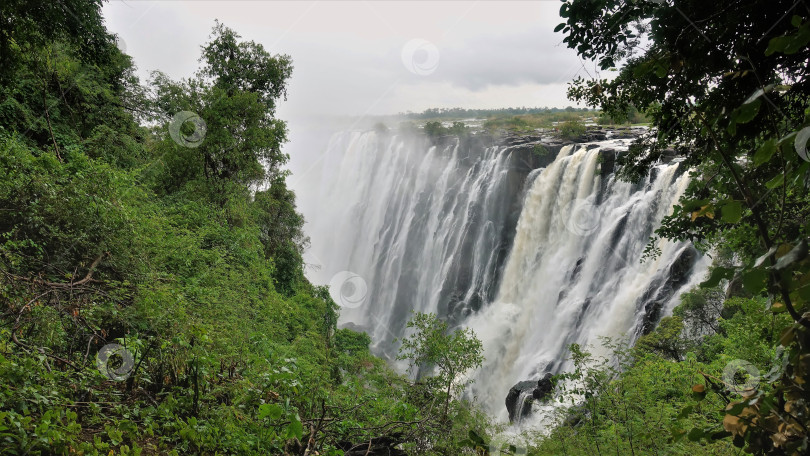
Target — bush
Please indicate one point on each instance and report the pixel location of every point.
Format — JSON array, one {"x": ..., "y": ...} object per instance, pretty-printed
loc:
[{"x": 571, "y": 129}]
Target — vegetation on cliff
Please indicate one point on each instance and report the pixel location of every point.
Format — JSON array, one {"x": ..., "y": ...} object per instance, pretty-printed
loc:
[
  {"x": 152, "y": 295},
  {"x": 726, "y": 84}
]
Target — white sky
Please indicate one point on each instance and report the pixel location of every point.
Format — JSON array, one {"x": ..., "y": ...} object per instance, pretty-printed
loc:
[{"x": 348, "y": 56}]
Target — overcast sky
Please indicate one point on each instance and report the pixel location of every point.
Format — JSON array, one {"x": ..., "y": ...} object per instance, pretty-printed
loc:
[{"x": 374, "y": 57}]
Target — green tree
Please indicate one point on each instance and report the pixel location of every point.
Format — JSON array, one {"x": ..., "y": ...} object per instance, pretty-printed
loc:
[
  {"x": 572, "y": 129},
  {"x": 666, "y": 339},
  {"x": 281, "y": 233},
  {"x": 452, "y": 353},
  {"x": 235, "y": 95},
  {"x": 459, "y": 129},
  {"x": 434, "y": 129},
  {"x": 726, "y": 85}
]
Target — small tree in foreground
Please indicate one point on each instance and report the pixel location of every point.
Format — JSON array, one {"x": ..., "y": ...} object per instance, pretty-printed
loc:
[{"x": 453, "y": 354}]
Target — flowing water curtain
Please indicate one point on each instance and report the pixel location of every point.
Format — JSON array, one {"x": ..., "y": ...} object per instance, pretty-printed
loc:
[
  {"x": 574, "y": 272},
  {"x": 413, "y": 225},
  {"x": 425, "y": 226}
]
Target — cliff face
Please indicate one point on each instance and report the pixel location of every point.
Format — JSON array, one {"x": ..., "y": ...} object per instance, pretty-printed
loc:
[{"x": 526, "y": 239}]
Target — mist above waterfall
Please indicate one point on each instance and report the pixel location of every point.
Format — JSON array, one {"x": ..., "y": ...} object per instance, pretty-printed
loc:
[{"x": 535, "y": 248}]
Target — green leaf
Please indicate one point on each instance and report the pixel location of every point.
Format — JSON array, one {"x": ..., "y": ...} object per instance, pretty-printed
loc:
[
  {"x": 796, "y": 20},
  {"x": 695, "y": 434},
  {"x": 747, "y": 112},
  {"x": 731, "y": 212},
  {"x": 736, "y": 408},
  {"x": 716, "y": 276},
  {"x": 690, "y": 206},
  {"x": 754, "y": 280},
  {"x": 777, "y": 181},
  {"x": 776, "y": 45},
  {"x": 559, "y": 27},
  {"x": 686, "y": 411},
  {"x": 272, "y": 411},
  {"x": 765, "y": 152},
  {"x": 295, "y": 429}
]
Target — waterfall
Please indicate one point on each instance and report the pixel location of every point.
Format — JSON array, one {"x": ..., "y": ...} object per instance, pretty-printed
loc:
[
  {"x": 575, "y": 274},
  {"x": 419, "y": 227},
  {"x": 534, "y": 253}
]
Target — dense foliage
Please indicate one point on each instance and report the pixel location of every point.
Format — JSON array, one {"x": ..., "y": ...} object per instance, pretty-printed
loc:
[
  {"x": 152, "y": 296},
  {"x": 725, "y": 83}
]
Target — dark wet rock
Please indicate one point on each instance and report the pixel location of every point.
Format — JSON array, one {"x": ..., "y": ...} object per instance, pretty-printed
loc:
[
  {"x": 667, "y": 155},
  {"x": 662, "y": 290},
  {"x": 544, "y": 388},
  {"x": 523, "y": 390},
  {"x": 608, "y": 162},
  {"x": 552, "y": 142},
  {"x": 625, "y": 133},
  {"x": 527, "y": 391},
  {"x": 577, "y": 269}
]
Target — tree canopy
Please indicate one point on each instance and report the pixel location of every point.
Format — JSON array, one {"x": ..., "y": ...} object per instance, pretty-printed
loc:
[{"x": 725, "y": 84}]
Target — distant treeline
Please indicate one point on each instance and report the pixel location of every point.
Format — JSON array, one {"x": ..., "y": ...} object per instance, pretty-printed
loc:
[{"x": 450, "y": 113}]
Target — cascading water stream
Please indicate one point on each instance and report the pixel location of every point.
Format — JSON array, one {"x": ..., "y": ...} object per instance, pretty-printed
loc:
[
  {"x": 420, "y": 228},
  {"x": 574, "y": 272},
  {"x": 534, "y": 253}
]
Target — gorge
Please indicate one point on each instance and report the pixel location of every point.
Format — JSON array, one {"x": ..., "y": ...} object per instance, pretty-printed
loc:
[{"x": 533, "y": 243}]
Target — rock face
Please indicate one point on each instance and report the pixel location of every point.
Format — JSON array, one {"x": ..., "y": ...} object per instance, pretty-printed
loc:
[
  {"x": 660, "y": 292},
  {"x": 544, "y": 387},
  {"x": 523, "y": 394}
]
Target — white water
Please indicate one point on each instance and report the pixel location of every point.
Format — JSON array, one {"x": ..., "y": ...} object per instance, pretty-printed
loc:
[
  {"x": 574, "y": 273},
  {"x": 532, "y": 264},
  {"x": 402, "y": 216}
]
